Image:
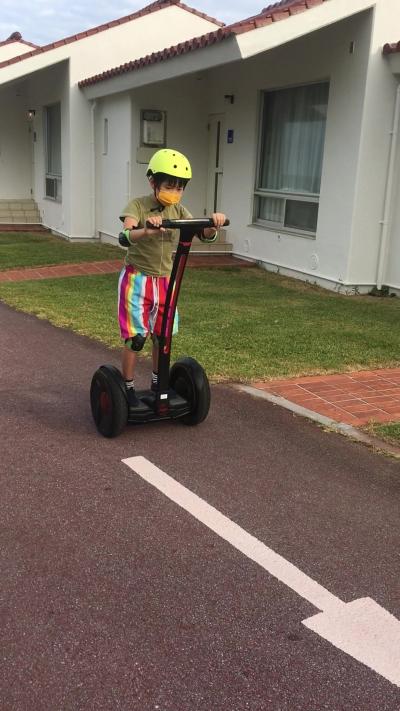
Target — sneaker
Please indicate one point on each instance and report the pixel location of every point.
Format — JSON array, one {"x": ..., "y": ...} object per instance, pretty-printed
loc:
[
  {"x": 133, "y": 400},
  {"x": 154, "y": 383}
]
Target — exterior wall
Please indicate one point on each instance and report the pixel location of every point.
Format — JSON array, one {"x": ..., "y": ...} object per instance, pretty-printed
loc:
[
  {"x": 346, "y": 249},
  {"x": 181, "y": 25},
  {"x": 392, "y": 274},
  {"x": 374, "y": 158},
  {"x": 15, "y": 144},
  {"x": 189, "y": 100},
  {"x": 324, "y": 258},
  {"x": 74, "y": 217},
  {"x": 391, "y": 255},
  {"x": 49, "y": 87},
  {"x": 113, "y": 169},
  {"x": 119, "y": 174},
  {"x": 186, "y": 131}
]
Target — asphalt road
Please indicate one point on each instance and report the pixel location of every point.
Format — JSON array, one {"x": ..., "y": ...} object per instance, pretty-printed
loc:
[{"x": 113, "y": 597}]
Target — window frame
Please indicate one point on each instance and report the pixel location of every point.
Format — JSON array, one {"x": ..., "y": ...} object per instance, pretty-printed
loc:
[{"x": 259, "y": 193}]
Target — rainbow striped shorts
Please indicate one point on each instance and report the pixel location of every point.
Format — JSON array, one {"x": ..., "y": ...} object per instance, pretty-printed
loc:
[{"x": 141, "y": 301}]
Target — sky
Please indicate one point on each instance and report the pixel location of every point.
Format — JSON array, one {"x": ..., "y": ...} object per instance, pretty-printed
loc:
[{"x": 45, "y": 21}]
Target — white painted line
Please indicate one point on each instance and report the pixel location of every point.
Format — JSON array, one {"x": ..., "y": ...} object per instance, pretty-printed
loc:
[
  {"x": 360, "y": 628},
  {"x": 366, "y": 631},
  {"x": 235, "y": 535}
]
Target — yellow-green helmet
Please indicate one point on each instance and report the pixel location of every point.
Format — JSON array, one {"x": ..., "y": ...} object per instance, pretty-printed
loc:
[{"x": 170, "y": 162}]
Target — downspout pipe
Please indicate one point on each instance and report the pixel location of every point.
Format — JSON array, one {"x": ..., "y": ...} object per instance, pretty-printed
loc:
[
  {"x": 385, "y": 222},
  {"x": 93, "y": 169}
]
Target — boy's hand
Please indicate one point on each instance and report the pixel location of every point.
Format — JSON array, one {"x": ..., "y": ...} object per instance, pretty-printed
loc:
[
  {"x": 155, "y": 220},
  {"x": 218, "y": 219},
  {"x": 210, "y": 233}
]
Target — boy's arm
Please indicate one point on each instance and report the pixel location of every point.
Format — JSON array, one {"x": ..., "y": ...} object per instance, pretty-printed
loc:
[
  {"x": 131, "y": 217},
  {"x": 134, "y": 235},
  {"x": 210, "y": 233},
  {"x": 207, "y": 235}
]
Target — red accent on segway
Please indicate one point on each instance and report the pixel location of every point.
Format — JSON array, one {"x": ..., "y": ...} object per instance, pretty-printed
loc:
[
  {"x": 172, "y": 307},
  {"x": 162, "y": 407}
]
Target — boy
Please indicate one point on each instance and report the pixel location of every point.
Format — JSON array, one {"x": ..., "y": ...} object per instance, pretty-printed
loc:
[{"x": 143, "y": 281}]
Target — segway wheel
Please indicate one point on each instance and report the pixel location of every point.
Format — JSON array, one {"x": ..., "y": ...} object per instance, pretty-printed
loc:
[
  {"x": 108, "y": 401},
  {"x": 189, "y": 380}
]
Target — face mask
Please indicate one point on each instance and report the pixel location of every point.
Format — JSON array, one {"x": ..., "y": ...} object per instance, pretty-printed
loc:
[{"x": 168, "y": 197}]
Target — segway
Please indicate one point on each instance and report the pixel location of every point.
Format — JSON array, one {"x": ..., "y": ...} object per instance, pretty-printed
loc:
[{"x": 183, "y": 392}]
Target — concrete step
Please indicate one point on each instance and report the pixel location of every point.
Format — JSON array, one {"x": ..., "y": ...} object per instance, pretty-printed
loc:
[
  {"x": 23, "y": 227},
  {"x": 20, "y": 214},
  {"x": 20, "y": 219},
  {"x": 19, "y": 211},
  {"x": 213, "y": 248},
  {"x": 18, "y": 204}
]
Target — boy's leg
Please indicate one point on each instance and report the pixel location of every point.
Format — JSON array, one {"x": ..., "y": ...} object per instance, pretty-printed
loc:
[
  {"x": 129, "y": 358},
  {"x": 134, "y": 303}
]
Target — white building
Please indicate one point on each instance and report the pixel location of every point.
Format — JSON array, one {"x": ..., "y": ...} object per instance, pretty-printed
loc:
[
  {"x": 290, "y": 119},
  {"x": 49, "y": 158}
]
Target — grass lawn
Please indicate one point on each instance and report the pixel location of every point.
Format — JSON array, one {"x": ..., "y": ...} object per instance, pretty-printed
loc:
[
  {"x": 389, "y": 432},
  {"x": 27, "y": 249},
  {"x": 241, "y": 324}
]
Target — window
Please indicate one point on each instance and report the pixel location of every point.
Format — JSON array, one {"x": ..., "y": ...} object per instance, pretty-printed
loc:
[
  {"x": 292, "y": 147},
  {"x": 53, "y": 152}
]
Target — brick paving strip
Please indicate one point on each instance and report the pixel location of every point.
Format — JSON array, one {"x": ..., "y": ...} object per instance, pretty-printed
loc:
[
  {"x": 107, "y": 267},
  {"x": 352, "y": 398},
  {"x": 60, "y": 270}
]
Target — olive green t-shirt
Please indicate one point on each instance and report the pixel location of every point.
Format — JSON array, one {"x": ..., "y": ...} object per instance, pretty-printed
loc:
[{"x": 153, "y": 255}]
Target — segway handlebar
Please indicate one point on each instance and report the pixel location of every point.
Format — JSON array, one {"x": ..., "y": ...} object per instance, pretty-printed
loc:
[{"x": 198, "y": 222}]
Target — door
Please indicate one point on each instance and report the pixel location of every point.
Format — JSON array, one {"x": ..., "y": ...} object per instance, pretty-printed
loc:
[
  {"x": 216, "y": 132},
  {"x": 32, "y": 141}
]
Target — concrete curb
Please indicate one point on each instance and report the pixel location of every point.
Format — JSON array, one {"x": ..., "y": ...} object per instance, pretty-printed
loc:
[{"x": 340, "y": 427}]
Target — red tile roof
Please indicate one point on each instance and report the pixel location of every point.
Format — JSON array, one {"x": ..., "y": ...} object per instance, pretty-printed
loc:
[
  {"x": 153, "y": 7},
  {"x": 391, "y": 48},
  {"x": 272, "y": 13},
  {"x": 17, "y": 37}
]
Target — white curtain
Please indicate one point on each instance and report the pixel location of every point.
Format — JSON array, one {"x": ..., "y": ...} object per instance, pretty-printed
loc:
[
  {"x": 293, "y": 139},
  {"x": 53, "y": 139}
]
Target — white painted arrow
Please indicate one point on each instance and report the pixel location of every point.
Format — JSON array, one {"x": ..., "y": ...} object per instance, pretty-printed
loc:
[{"x": 362, "y": 628}]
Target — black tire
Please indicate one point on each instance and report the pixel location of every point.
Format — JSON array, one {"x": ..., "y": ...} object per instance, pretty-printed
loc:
[
  {"x": 190, "y": 381},
  {"x": 108, "y": 401}
]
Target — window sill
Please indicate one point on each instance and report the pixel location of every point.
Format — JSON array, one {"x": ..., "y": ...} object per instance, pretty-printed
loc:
[
  {"x": 286, "y": 232},
  {"x": 57, "y": 201}
]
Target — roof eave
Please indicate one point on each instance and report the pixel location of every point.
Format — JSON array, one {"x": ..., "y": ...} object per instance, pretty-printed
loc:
[
  {"x": 272, "y": 32},
  {"x": 196, "y": 61},
  {"x": 49, "y": 48},
  {"x": 247, "y": 38}
]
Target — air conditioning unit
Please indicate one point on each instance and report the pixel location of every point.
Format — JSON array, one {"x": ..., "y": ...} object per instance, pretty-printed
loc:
[{"x": 53, "y": 188}]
